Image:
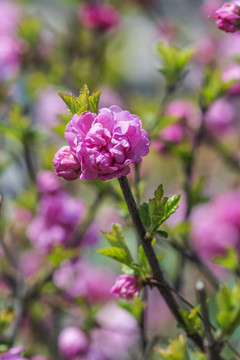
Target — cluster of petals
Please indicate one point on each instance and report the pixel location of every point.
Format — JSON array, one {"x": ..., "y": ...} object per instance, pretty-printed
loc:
[
  {"x": 216, "y": 225},
  {"x": 57, "y": 218},
  {"x": 126, "y": 286},
  {"x": 228, "y": 17},
  {"x": 97, "y": 15},
  {"x": 103, "y": 145}
]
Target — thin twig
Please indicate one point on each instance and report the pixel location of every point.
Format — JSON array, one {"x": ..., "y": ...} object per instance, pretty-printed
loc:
[{"x": 210, "y": 345}]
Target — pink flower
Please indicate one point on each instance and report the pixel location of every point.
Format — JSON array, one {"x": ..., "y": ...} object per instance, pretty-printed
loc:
[
  {"x": 117, "y": 333},
  {"x": 216, "y": 225},
  {"x": 126, "y": 286},
  {"x": 72, "y": 342},
  {"x": 232, "y": 73},
  {"x": 220, "y": 116},
  {"x": 66, "y": 164},
  {"x": 80, "y": 278},
  {"x": 10, "y": 51},
  {"x": 188, "y": 116},
  {"x": 47, "y": 182},
  {"x": 56, "y": 222},
  {"x": 13, "y": 354},
  {"x": 106, "y": 144},
  {"x": 10, "y": 15},
  {"x": 98, "y": 16},
  {"x": 228, "y": 17}
]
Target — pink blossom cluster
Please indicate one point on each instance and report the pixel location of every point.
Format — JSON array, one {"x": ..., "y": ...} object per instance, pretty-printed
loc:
[
  {"x": 188, "y": 119},
  {"x": 78, "y": 278},
  {"x": 10, "y": 45},
  {"x": 97, "y": 15},
  {"x": 216, "y": 225},
  {"x": 116, "y": 333},
  {"x": 228, "y": 17},
  {"x": 57, "y": 218},
  {"x": 101, "y": 145},
  {"x": 126, "y": 286}
]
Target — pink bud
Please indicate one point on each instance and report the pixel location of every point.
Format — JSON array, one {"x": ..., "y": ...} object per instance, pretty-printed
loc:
[
  {"x": 228, "y": 17},
  {"x": 66, "y": 165},
  {"x": 72, "y": 342},
  {"x": 126, "y": 286}
]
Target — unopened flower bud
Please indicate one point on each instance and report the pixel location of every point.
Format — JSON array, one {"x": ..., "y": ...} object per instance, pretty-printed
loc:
[
  {"x": 228, "y": 17},
  {"x": 66, "y": 165}
]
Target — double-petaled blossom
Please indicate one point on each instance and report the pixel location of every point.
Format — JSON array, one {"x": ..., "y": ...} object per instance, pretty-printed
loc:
[
  {"x": 104, "y": 144},
  {"x": 72, "y": 342},
  {"x": 126, "y": 286},
  {"x": 228, "y": 17}
]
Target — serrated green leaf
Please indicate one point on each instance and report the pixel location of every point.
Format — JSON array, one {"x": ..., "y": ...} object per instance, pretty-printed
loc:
[
  {"x": 71, "y": 101},
  {"x": 171, "y": 206},
  {"x": 94, "y": 100},
  {"x": 116, "y": 253},
  {"x": 156, "y": 208},
  {"x": 143, "y": 212}
]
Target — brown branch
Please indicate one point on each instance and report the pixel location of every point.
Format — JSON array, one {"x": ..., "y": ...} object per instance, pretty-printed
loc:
[{"x": 151, "y": 256}]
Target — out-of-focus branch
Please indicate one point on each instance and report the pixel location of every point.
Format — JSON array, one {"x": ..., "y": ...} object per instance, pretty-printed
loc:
[{"x": 210, "y": 345}]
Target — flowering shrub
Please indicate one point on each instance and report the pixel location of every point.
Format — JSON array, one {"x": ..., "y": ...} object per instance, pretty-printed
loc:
[{"x": 110, "y": 270}]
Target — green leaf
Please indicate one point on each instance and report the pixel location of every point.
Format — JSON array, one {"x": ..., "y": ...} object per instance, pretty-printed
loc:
[
  {"x": 116, "y": 253},
  {"x": 127, "y": 270},
  {"x": 230, "y": 260},
  {"x": 177, "y": 350},
  {"x": 156, "y": 208},
  {"x": 162, "y": 233},
  {"x": 134, "y": 307},
  {"x": 143, "y": 212},
  {"x": 116, "y": 239},
  {"x": 94, "y": 100},
  {"x": 171, "y": 206},
  {"x": 228, "y": 301}
]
